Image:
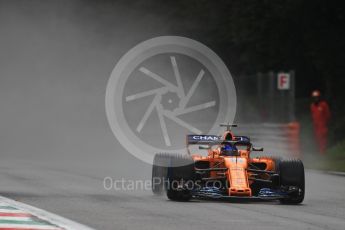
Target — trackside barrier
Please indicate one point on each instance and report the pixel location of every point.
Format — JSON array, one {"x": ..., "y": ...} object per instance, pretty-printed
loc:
[
  {"x": 276, "y": 139},
  {"x": 293, "y": 131}
]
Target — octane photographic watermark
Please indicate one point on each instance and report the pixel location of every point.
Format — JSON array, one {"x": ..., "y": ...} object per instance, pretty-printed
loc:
[
  {"x": 122, "y": 184},
  {"x": 165, "y": 88}
]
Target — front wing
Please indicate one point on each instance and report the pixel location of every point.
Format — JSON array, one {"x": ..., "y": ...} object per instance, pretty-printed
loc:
[{"x": 264, "y": 194}]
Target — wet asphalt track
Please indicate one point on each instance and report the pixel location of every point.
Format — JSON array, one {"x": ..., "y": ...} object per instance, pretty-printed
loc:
[{"x": 75, "y": 190}]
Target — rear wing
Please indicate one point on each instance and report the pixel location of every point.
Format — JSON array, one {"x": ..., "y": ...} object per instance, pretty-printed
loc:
[
  {"x": 213, "y": 139},
  {"x": 202, "y": 139},
  {"x": 242, "y": 138}
]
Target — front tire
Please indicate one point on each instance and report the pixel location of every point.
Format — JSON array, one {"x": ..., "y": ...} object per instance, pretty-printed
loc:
[
  {"x": 181, "y": 172},
  {"x": 292, "y": 175}
]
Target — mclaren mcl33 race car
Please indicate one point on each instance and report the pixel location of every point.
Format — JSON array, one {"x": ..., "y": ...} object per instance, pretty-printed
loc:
[{"x": 227, "y": 171}]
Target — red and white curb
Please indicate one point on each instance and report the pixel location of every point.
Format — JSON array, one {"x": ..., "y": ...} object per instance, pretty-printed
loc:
[{"x": 18, "y": 216}]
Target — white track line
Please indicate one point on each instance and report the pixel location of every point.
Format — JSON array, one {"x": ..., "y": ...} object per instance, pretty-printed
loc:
[
  {"x": 12, "y": 211},
  {"x": 24, "y": 226},
  {"x": 44, "y": 215},
  {"x": 15, "y": 218}
]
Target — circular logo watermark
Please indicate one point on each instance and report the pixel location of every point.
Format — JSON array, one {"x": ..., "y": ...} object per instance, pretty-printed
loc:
[{"x": 165, "y": 88}]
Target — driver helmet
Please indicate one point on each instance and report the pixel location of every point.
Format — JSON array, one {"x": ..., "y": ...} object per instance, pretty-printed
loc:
[{"x": 229, "y": 150}]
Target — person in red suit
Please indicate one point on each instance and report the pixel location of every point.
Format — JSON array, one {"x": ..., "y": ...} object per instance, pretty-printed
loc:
[{"x": 321, "y": 115}]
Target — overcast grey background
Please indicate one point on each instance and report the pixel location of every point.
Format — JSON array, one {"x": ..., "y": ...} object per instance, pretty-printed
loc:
[{"x": 55, "y": 60}]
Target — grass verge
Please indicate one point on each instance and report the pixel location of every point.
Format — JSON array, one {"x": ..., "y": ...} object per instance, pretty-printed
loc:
[{"x": 333, "y": 160}]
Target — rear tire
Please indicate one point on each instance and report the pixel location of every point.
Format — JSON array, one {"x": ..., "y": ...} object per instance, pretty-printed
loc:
[
  {"x": 181, "y": 173},
  {"x": 159, "y": 172},
  {"x": 292, "y": 174}
]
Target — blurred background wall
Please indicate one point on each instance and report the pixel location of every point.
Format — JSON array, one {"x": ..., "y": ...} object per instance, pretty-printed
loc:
[{"x": 56, "y": 58}]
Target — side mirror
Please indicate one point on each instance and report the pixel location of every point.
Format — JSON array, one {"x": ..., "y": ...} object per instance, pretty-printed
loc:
[
  {"x": 204, "y": 147},
  {"x": 258, "y": 149}
]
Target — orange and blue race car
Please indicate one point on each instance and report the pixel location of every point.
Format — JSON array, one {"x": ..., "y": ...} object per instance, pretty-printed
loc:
[{"x": 227, "y": 171}]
